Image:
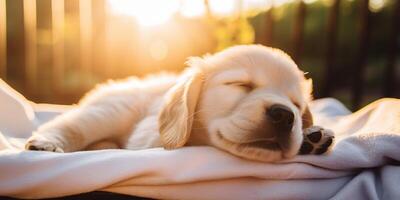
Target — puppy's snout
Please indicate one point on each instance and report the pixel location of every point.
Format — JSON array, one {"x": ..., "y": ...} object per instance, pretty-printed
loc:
[{"x": 281, "y": 117}]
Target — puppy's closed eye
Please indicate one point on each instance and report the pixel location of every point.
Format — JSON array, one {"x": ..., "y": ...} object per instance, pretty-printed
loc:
[{"x": 243, "y": 85}]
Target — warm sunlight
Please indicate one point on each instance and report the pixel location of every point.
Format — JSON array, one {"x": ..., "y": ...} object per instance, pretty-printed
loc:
[
  {"x": 193, "y": 8},
  {"x": 147, "y": 13},
  {"x": 223, "y": 7},
  {"x": 156, "y": 12}
]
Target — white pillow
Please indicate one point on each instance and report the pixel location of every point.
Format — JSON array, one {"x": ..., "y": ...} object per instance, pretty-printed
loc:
[{"x": 17, "y": 117}]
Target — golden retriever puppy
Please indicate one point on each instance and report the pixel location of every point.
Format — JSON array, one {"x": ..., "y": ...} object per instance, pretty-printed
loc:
[{"x": 249, "y": 100}]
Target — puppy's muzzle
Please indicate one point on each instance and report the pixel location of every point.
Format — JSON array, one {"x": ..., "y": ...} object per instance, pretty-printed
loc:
[{"x": 281, "y": 118}]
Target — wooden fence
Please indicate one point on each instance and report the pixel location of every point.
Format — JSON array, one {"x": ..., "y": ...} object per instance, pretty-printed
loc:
[
  {"x": 20, "y": 60},
  {"x": 390, "y": 85}
]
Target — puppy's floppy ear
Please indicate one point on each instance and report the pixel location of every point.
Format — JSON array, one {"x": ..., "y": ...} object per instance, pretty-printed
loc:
[
  {"x": 176, "y": 117},
  {"x": 307, "y": 118}
]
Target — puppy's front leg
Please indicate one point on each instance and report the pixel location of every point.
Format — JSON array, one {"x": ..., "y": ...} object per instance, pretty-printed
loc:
[
  {"x": 94, "y": 121},
  {"x": 69, "y": 132}
]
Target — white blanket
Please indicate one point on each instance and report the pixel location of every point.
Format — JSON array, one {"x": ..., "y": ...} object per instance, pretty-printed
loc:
[{"x": 364, "y": 163}]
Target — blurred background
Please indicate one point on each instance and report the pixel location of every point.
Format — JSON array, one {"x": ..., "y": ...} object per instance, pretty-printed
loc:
[{"x": 53, "y": 51}]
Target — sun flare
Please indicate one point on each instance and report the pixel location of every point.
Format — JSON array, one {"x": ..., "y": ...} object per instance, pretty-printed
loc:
[
  {"x": 147, "y": 13},
  {"x": 157, "y": 12}
]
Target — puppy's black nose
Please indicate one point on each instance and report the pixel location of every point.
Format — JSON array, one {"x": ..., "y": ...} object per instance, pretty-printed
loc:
[{"x": 281, "y": 117}]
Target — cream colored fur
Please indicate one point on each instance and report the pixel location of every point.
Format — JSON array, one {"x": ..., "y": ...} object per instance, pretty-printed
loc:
[{"x": 220, "y": 100}]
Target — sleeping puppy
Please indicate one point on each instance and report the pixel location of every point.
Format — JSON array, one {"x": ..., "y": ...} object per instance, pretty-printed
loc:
[{"x": 250, "y": 101}]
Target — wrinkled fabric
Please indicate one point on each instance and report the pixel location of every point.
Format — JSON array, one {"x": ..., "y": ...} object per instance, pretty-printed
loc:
[{"x": 363, "y": 164}]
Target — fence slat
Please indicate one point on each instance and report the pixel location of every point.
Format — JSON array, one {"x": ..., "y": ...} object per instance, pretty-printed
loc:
[
  {"x": 85, "y": 16},
  {"x": 332, "y": 31},
  {"x": 269, "y": 26},
  {"x": 360, "y": 62},
  {"x": 57, "y": 14},
  {"x": 390, "y": 84},
  {"x": 15, "y": 45},
  {"x": 3, "y": 40},
  {"x": 99, "y": 39},
  {"x": 30, "y": 33},
  {"x": 298, "y": 31}
]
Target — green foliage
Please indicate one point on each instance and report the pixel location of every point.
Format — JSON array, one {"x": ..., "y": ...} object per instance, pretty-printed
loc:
[{"x": 233, "y": 30}]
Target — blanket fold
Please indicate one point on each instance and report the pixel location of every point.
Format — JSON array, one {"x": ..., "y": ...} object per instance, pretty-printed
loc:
[{"x": 364, "y": 163}]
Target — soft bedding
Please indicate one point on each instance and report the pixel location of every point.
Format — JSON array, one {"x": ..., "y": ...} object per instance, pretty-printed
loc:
[{"x": 364, "y": 163}]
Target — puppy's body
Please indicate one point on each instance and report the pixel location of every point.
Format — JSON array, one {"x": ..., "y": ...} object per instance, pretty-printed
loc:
[
  {"x": 110, "y": 114},
  {"x": 248, "y": 100}
]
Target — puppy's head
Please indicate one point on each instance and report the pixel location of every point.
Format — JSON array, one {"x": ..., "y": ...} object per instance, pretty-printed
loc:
[{"x": 248, "y": 100}]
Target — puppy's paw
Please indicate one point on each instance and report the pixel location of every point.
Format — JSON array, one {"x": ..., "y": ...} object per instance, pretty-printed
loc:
[
  {"x": 39, "y": 143},
  {"x": 317, "y": 140}
]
